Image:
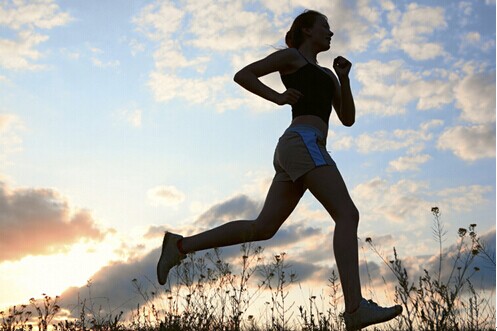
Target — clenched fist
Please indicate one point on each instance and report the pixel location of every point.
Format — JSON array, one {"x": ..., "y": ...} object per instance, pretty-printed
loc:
[{"x": 342, "y": 66}]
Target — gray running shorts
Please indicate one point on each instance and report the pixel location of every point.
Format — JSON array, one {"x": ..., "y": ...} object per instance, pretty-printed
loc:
[{"x": 300, "y": 149}]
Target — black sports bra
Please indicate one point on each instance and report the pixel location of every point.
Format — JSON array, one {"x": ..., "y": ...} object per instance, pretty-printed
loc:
[{"x": 317, "y": 88}]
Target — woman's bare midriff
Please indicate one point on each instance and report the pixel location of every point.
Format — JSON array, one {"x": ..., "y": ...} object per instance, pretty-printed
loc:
[{"x": 313, "y": 120}]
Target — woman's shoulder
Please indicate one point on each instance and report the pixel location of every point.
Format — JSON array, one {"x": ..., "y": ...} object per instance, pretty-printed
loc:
[
  {"x": 289, "y": 54},
  {"x": 291, "y": 59}
]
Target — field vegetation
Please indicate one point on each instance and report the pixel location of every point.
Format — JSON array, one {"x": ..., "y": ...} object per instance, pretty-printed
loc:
[{"x": 209, "y": 294}]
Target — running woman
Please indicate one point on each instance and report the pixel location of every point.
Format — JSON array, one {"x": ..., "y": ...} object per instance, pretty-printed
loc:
[{"x": 301, "y": 162}]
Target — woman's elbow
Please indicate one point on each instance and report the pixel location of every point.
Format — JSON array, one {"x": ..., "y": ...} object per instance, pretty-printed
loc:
[
  {"x": 240, "y": 76},
  {"x": 236, "y": 78},
  {"x": 348, "y": 123}
]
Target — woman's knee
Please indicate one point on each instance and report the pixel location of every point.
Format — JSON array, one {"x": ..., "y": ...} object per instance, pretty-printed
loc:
[
  {"x": 348, "y": 216},
  {"x": 263, "y": 230}
]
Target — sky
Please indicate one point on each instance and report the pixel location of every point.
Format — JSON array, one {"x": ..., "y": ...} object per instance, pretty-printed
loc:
[{"x": 120, "y": 120}]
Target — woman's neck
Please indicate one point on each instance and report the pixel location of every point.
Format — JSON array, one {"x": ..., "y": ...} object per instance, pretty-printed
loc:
[{"x": 309, "y": 53}]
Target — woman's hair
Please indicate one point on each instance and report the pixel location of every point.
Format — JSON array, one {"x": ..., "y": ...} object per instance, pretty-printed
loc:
[{"x": 295, "y": 37}]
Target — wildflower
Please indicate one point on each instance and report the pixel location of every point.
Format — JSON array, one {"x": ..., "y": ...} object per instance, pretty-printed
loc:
[
  {"x": 475, "y": 251},
  {"x": 369, "y": 240},
  {"x": 435, "y": 210},
  {"x": 462, "y": 232}
]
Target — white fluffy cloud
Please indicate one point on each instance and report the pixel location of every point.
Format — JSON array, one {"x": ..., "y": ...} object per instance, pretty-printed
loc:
[
  {"x": 380, "y": 141},
  {"x": 247, "y": 31},
  {"x": 405, "y": 200},
  {"x": 159, "y": 20},
  {"x": 405, "y": 163},
  {"x": 25, "y": 17},
  {"x": 412, "y": 28},
  {"x": 475, "y": 96},
  {"x": 397, "y": 202},
  {"x": 244, "y": 29},
  {"x": 469, "y": 143},
  {"x": 196, "y": 90},
  {"x": 388, "y": 87}
]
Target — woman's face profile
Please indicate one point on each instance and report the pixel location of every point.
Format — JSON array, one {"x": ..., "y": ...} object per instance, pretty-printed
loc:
[{"x": 320, "y": 33}]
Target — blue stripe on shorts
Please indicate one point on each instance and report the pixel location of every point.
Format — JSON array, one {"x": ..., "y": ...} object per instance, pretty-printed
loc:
[{"x": 310, "y": 141}]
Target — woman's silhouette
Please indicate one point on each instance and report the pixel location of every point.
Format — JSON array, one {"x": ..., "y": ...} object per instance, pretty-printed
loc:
[{"x": 301, "y": 162}]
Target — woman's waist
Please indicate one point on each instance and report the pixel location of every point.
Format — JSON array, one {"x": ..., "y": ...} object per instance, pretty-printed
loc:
[{"x": 311, "y": 122}]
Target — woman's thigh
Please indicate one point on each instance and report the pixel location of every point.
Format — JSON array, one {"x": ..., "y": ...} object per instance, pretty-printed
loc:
[
  {"x": 281, "y": 200},
  {"x": 327, "y": 185}
]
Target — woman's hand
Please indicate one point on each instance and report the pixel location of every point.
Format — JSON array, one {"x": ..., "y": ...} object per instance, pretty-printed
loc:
[
  {"x": 342, "y": 67},
  {"x": 290, "y": 97}
]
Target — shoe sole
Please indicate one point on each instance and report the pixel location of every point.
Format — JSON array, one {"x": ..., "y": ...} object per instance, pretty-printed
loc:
[
  {"x": 165, "y": 242},
  {"x": 386, "y": 319}
]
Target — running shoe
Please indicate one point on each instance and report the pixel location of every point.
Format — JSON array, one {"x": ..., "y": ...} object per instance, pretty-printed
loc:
[
  {"x": 169, "y": 257},
  {"x": 369, "y": 313}
]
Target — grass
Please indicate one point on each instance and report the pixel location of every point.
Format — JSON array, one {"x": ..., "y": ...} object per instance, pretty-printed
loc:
[{"x": 207, "y": 293}]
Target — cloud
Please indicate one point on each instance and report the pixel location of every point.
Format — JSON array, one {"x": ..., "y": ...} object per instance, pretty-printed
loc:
[
  {"x": 238, "y": 207},
  {"x": 244, "y": 29},
  {"x": 405, "y": 163},
  {"x": 381, "y": 141},
  {"x": 40, "y": 222},
  {"x": 112, "y": 285},
  {"x": 412, "y": 28},
  {"x": 151, "y": 20},
  {"x": 199, "y": 28},
  {"x": 404, "y": 200},
  {"x": 484, "y": 278},
  {"x": 469, "y": 143},
  {"x": 388, "y": 87},
  {"x": 395, "y": 202},
  {"x": 43, "y": 14},
  {"x": 475, "y": 96},
  {"x": 412, "y": 141},
  {"x": 463, "y": 198},
  {"x": 18, "y": 54},
  {"x": 197, "y": 90},
  {"x": 167, "y": 195},
  {"x": 25, "y": 17}
]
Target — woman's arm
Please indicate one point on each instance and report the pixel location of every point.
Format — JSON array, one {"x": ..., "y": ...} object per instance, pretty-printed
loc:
[
  {"x": 248, "y": 77},
  {"x": 343, "y": 100}
]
